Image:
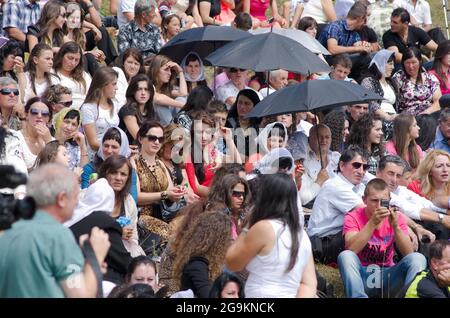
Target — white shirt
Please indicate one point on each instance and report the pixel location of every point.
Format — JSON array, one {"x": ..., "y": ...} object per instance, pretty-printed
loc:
[
  {"x": 387, "y": 105},
  {"x": 124, "y": 6},
  {"x": 77, "y": 89},
  {"x": 410, "y": 203},
  {"x": 40, "y": 88},
  {"x": 268, "y": 277},
  {"x": 263, "y": 91},
  {"x": 227, "y": 90},
  {"x": 314, "y": 9},
  {"x": 337, "y": 197},
  {"x": 421, "y": 12},
  {"x": 120, "y": 99},
  {"x": 310, "y": 188}
]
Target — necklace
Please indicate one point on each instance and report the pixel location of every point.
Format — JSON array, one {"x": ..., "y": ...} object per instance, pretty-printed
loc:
[{"x": 151, "y": 166}]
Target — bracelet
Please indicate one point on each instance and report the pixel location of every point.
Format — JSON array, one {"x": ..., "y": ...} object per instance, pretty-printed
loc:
[{"x": 164, "y": 195}]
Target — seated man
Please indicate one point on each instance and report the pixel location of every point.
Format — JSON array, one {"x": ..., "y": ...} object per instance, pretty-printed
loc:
[
  {"x": 435, "y": 282},
  {"x": 370, "y": 234},
  {"x": 277, "y": 80},
  {"x": 355, "y": 112},
  {"x": 402, "y": 36},
  {"x": 227, "y": 93},
  {"x": 18, "y": 16},
  {"x": 338, "y": 196},
  {"x": 320, "y": 163},
  {"x": 340, "y": 69},
  {"x": 443, "y": 131},
  {"x": 140, "y": 32}
]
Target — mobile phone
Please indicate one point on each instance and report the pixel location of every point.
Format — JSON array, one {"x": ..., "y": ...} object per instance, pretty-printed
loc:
[{"x": 385, "y": 203}]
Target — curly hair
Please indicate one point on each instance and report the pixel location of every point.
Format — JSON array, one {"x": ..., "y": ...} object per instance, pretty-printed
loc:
[
  {"x": 360, "y": 131},
  {"x": 208, "y": 237},
  {"x": 335, "y": 120}
]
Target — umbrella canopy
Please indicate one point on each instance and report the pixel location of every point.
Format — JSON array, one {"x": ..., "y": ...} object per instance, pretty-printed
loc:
[
  {"x": 202, "y": 41},
  {"x": 268, "y": 51},
  {"x": 312, "y": 95},
  {"x": 299, "y": 36}
]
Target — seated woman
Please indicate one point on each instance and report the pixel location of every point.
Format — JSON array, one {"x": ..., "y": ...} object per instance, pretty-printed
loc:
[
  {"x": 201, "y": 255},
  {"x": 204, "y": 158},
  {"x": 194, "y": 71},
  {"x": 38, "y": 72},
  {"x": 68, "y": 66},
  {"x": 139, "y": 106},
  {"x": 403, "y": 143},
  {"x": 67, "y": 123},
  {"x": 170, "y": 26},
  {"x": 113, "y": 142},
  {"x": 117, "y": 170},
  {"x": 226, "y": 16},
  {"x": 257, "y": 10},
  {"x": 367, "y": 133},
  {"x": 98, "y": 110},
  {"x": 58, "y": 97},
  {"x": 418, "y": 92},
  {"x": 11, "y": 61},
  {"x": 441, "y": 66},
  {"x": 169, "y": 96},
  {"x": 131, "y": 63},
  {"x": 245, "y": 101},
  {"x": 208, "y": 10},
  {"x": 197, "y": 100},
  {"x": 49, "y": 28},
  {"x": 155, "y": 183},
  {"x": 35, "y": 133},
  {"x": 227, "y": 285},
  {"x": 320, "y": 10},
  {"x": 379, "y": 82},
  {"x": 94, "y": 210}
]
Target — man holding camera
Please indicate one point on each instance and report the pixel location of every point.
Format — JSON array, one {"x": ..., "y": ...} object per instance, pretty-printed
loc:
[{"x": 367, "y": 265}]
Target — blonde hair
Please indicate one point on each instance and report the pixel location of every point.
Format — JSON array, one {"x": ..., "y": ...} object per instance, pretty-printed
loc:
[{"x": 424, "y": 172}]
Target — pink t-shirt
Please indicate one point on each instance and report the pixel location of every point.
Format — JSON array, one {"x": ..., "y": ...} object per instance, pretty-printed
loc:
[
  {"x": 390, "y": 148},
  {"x": 380, "y": 248}
]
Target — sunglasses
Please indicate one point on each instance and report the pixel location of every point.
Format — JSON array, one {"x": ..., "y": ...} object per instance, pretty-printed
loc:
[
  {"x": 238, "y": 194},
  {"x": 153, "y": 138},
  {"x": 8, "y": 91},
  {"x": 66, "y": 104},
  {"x": 358, "y": 165},
  {"x": 35, "y": 112},
  {"x": 235, "y": 70}
]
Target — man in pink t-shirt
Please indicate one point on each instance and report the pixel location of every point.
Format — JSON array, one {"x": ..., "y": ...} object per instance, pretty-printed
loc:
[{"x": 367, "y": 265}]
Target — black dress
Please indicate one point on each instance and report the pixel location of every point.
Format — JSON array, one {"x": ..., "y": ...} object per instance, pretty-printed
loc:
[{"x": 118, "y": 257}]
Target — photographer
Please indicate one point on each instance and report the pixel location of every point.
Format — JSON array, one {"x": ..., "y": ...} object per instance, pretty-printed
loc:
[
  {"x": 40, "y": 257},
  {"x": 370, "y": 234}
]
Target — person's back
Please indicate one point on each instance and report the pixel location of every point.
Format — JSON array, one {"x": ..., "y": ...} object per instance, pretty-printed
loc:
[
  {"x": 35, "y": 256},
  {"x": 268, "y": 277}
]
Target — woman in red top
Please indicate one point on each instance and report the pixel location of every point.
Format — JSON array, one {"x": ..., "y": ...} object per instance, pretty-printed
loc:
[
  {"x": 441, "y": 66},
  {"x": 205, "y": 158}
]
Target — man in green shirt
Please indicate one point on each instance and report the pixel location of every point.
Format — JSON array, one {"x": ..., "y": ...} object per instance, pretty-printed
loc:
[{"x": 40, "y": 257}]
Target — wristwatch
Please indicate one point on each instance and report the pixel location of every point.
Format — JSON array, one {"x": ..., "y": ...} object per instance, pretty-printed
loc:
[{"x": 441, "y": 218}]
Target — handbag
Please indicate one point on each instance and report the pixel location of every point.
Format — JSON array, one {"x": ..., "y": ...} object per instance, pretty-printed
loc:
[
  {"x": 151, "y": 243},
  {"x": 169, "y": 209}
]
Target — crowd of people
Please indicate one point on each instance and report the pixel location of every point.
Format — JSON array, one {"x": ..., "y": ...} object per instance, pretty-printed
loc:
[{"x": 149, "y": 180}]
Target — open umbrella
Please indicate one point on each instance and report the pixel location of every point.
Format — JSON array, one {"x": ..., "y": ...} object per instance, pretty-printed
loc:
[
  {"x": 312, "y": 96},
  {"x": 202, "y": 41},
  {"x": 268, "y": 51},
  {"x": 297, "y": 35}
]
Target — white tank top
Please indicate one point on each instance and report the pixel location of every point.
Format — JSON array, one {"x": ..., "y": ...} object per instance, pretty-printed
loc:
[{"x": 267, "y": 273}]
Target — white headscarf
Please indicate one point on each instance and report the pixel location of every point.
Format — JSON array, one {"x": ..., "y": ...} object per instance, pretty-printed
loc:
[
  {"x": 380, "y": 59},
  {"x": 124, "y": 145},
  {"x": 269, "y": 163},
  {"x": 98, "y": 197},
  {"x": 264, "y": 135},
  {"x": 201, "y": 76}
]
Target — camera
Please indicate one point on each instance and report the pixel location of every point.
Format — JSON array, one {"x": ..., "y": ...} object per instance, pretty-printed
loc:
[
  {"x": 12, "y": 209},
  {"x": 385, "y": 204}
]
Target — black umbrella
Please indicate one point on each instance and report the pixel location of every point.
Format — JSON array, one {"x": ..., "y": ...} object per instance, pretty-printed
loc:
[
  {"x": 202, "y": 41},
  {"x": 312, "y": 96},
  {"x": 268, "y": 51}
]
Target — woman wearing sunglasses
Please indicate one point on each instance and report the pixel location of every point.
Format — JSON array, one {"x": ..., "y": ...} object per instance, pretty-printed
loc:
[
  {"x": 35, "y": 132},
  {"x": 155, "y": 182},
  {"x": 58, "y": 97},
  {"x": 403, "y": 144}
]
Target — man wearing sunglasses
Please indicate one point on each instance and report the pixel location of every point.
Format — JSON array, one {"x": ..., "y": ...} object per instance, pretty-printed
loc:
[
  {"x": 338, "y": 196},
  {"x": 238, "y": 81},
  {"x": 9, "y": 102}
]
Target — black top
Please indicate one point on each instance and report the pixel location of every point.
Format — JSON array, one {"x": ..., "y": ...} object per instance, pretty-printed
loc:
[
  {"x": 416, "y": 37},
  {"x": 118, "y": 257},
  {"x": 195, "y": 276},
  {"x": 215, "y": 7},
  {"x": 127, "y": 110},
  {"x": 368, "y": 34}
]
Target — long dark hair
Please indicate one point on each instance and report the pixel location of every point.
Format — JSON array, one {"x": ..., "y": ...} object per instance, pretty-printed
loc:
[
  {"x": 279, "y": 202},
  {"x": 222, "y": 192},
  {"x": 50, "y": 12},
  {"x": 136, "y": 54},
  {"x": 360, "y": 131},
  {"x": 442, "y": 50},
  {"x": 77, "y": 72},
  {"x": 149, "y": 112},
  {"x": 111, "y": 165},
  {"x": 221, "y": 281},
  {"x": 12, "y": 47},
  {"x": 335, "y": 120},
  {"x": 409, "y": 54},
  {"x": 31, "y": 66},
  {"x": 199, "y": 168},
  {"x": 427, "y": 125},
  {"x": 198, "y": 99}
]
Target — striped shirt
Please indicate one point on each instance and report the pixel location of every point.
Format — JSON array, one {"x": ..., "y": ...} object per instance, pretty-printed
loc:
[{"x": 20, "y": 14}]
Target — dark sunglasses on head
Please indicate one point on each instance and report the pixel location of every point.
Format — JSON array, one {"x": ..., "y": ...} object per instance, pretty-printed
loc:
[
  {"x": 8, "y": 91},
  {"x": 66, "y": 104},
  {"x": 234, "y": 70},
  {"x": 238, "y": 194},
  {"x": 153, "y": 138},
  {"x": 35, "y": 112},
  {"x": 358, "y": 165}
]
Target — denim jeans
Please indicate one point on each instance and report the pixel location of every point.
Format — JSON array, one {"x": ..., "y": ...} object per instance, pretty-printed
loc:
[{"x": 366, "y": 281}]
